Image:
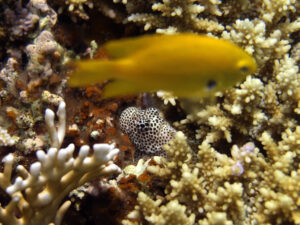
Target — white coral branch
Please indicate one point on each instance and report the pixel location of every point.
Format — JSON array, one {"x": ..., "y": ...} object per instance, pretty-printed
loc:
[
  {"x": 56, "y": 135},
  {"x": 38, "y": 193}
]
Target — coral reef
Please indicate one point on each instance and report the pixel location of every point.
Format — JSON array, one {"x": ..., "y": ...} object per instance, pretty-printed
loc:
[
  {"x": 41, "y": 52},
  {"x": 206, "y": 187},
  {"x": 32, "y": 57},
  {"x": 6, "y": 139},
  {"x": 37, "y": 193},
  {"x": 230, "y": 180},
  {"x": 175, "y": 16},
  {"x": 236, "y": 160}
]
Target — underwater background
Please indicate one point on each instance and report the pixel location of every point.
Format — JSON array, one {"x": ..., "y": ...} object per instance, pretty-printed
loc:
[{"x": 71, "y": 156}]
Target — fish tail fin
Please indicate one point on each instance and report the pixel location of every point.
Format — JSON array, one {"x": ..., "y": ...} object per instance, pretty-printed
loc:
[{"x": 92, "y": 71}]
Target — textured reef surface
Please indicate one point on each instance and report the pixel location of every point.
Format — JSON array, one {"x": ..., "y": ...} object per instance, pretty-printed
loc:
[{"x": 151, "y": 158}]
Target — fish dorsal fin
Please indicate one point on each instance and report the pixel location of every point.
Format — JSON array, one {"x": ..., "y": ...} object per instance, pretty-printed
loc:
[{"x": 125, "y": 47}]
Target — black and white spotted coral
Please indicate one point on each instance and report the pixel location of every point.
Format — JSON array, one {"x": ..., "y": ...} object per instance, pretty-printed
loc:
[{"x": 147, "y": 130}]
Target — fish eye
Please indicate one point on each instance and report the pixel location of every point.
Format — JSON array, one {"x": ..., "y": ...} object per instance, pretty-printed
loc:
[
  {"x": 211, "y": 84},
  {"x": 244, "y": 69}
]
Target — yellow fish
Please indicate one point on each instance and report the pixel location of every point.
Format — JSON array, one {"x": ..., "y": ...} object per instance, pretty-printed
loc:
[{"x": 188, "y": 65}]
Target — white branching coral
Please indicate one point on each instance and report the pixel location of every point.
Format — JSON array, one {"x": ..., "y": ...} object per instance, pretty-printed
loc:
[
  {"x": 37, "y": 194},
  {"x": 173, "y": 213},
  {"x": 167, "y": 97},
  {"x": 175, "y": 16},
  {"x": 264, "y": 45},
  {"x": 6, "y": 139},
  {"x": 77, "y": 7},
  {"x": 56, "y": 135},
  {"x": 208, "y": 187}
]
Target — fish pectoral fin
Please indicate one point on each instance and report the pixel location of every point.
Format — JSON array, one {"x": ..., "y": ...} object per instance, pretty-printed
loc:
[
  {"x": 120, "y": 88},
  {"x": 125, "y": 47}
]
